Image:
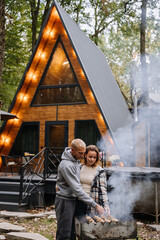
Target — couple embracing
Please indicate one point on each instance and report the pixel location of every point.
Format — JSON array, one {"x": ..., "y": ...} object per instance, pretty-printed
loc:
[{"x": 80, "y": 188}]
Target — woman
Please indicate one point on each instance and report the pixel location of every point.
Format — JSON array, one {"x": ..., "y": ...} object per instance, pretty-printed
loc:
[{"x": 94, "y": 182}]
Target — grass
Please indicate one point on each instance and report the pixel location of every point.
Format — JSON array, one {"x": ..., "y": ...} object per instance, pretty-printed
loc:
[{"x": 44, "y": 226}]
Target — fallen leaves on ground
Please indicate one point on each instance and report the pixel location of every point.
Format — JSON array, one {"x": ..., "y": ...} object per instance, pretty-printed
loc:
[{"x": 46, "y": 226}]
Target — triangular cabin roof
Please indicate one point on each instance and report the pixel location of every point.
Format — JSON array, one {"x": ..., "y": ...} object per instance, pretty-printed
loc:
[
  {"x": 99, "y": 75},
  {"x": 96, "y": 70}
]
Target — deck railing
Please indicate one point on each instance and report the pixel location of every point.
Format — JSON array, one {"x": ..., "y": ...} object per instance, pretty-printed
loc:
[{"x": 35, "y": 171}]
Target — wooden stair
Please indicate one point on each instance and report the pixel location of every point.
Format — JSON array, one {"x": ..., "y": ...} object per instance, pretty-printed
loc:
[{"x": 9, "y": 195}]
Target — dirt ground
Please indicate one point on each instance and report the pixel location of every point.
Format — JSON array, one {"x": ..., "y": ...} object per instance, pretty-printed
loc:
[{"x": 47, "y": 227}]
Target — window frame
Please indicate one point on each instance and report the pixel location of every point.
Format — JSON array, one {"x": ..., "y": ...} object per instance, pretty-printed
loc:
[{"x": 57, "y": 86}]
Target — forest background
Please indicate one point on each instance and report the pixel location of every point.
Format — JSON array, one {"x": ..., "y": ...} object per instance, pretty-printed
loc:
[{"x": 127, "y": 32}]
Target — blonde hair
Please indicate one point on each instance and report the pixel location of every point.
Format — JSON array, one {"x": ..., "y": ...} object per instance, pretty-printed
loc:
[
  {"x": 92, "y": 148},
  {"x": 76, "y": 143}
]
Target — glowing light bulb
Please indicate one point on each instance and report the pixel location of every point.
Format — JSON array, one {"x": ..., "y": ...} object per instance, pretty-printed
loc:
[
  {"x": 82, "y": 73},
  {"x": 22, "y": 97},
  {"x": 25, "y": 98},
  {"x": 64, "y": 32},
  {"x": 30, "y": 75},
  {"x": 16, "y": 120},
  {"x": 100, "y": 116},
  {"x": 73, "y": 52},
  {"x": 43, "y": 55},
  {"x": 91, "y": 95},
  {"x": 47, "y": 31},
  {"x": 52, "y": 33},
  {"x": 34, "y": 77},
  {"x": 54, "y": 13},
  {"x": 5, "y": 140}
]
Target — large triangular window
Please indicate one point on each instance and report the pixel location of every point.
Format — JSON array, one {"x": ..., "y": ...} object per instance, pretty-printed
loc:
[{"x": 58, "y": 84}]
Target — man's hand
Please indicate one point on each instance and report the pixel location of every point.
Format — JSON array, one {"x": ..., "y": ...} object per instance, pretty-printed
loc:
[
  {"x": 107, "y": 210},
  {"x": 99, "y": 209}
]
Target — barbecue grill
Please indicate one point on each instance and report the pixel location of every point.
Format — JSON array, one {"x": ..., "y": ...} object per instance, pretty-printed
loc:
[{"x": 106, "y": 231}]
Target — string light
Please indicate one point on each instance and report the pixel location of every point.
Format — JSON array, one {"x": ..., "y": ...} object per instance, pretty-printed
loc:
[
  {"x": 43, "y": 55},
  {"x": 91, "y": 95},
  {"x": 54, "y": 13},
  {"x": 25, "y": 98},
  {"x": 64, "y": 32},
  {"x": 73, "y": 52},
  {"x": 5, "y": 140},
  {"x": 47, "y": 31},
  {"x": 52, "y": 33},
  {"x": 22, "y": 97},
  {"x": 16, "y": 120},
  {"x": 34, "y": 77},
  {"x": 82, "y": 73},
  {"x": 100, "y": 116},
  {"x": 31, "y": 75}
]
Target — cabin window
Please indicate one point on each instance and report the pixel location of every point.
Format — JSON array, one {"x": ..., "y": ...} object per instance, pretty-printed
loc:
[
  {"x": 88, "y": 131},
  {"x": 27, "y": 140},
  {"x": 58, "y": 84},
  {"x": 59, "y": 95}
]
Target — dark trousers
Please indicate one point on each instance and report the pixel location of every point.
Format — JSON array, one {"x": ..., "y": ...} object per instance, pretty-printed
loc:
[
  {"x": 81, "y": 209},
  {"x": 65, "y": 210}
]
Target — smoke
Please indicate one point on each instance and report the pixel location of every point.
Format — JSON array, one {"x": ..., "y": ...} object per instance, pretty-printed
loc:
[
  {"x": 120, "y": 144},
  {"x": 123, "y": 195},
  {"x": 130, "y": 193},
  {"x": 138, "y": 146}
]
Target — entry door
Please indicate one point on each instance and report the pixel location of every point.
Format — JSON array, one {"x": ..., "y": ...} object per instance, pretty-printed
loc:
[{"x": 56, "y": 138}]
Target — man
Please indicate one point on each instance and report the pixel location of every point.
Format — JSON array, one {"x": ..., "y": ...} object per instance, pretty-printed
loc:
[{"x": 68, "y": 189}]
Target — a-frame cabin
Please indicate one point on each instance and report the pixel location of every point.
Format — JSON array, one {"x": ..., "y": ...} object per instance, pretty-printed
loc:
[{"x": 67, "y": 91}]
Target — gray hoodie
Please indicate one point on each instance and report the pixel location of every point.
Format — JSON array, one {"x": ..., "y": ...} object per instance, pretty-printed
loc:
[{"x": 68, "y": 180}]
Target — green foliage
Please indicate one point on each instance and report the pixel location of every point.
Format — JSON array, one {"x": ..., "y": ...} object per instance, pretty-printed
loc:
[{"x": 18, "y": 46}]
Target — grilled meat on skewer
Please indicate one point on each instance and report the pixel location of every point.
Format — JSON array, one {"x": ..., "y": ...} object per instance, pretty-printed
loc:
[
  {"x": 98, "y": 219},
  {"x": 112, "y": 218},
  {"x": 90, "y": 220}
]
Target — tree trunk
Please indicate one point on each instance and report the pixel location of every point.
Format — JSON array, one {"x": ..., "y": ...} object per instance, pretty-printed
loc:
[
  {"x": 46, "y": 10},
  {"x": 95, "y": 26},
  {"x": 2, "y": 36},
  {"x": 34, "y": 12},
  {"x": 143, "y": 54},
  {"x": 78, "y": 11}
]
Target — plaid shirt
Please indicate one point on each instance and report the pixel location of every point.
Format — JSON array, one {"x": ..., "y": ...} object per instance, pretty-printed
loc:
[{"x": 99, "y": 188}]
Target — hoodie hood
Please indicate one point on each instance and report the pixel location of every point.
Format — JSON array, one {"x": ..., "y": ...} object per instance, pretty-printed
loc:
[{"x": 66, "y": 155}]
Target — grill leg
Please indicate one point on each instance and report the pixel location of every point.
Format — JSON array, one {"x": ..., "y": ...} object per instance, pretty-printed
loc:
[{"x": 156, "y": 202}]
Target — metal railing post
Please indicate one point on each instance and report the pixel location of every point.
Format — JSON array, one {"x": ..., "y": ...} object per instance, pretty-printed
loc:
[
  {"x": 21, "y": 184},
  {"x": 45, "y": 162}
]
